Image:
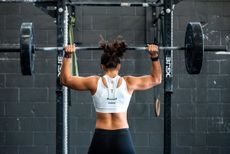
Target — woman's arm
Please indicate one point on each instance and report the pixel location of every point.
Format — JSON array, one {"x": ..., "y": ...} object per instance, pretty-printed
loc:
[
  {"x": 74, "y": 82},
  {"x": 147, "y": 81}
]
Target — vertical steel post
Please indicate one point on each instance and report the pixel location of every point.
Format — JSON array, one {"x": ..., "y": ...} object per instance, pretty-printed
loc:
[
  {"x": 168, "y": 75},
  {"x": 61, "y": 92}
]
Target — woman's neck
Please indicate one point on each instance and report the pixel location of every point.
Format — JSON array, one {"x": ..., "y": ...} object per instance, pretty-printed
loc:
[{"x": 111, "y": 73}]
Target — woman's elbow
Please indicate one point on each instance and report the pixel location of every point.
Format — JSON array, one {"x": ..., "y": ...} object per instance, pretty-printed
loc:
[
  {"x": 63, "y": 81},
  {"x": 157, "y": 80}
]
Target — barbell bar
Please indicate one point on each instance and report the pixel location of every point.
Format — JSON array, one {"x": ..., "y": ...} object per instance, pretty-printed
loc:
[
  {"x": 16, "y": 48},
  {"x": 209, "y": 48},
  {"x": 98, "y": 48},
  {"x": 194, "y": 48}
]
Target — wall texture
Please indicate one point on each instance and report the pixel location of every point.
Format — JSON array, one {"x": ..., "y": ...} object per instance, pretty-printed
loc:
[{"x": 200, "y": 105}]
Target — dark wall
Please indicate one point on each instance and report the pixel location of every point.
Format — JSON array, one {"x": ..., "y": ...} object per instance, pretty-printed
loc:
[{"x": 200, "y": 104}]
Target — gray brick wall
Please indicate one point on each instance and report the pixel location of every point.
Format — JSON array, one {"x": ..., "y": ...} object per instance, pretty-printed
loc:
[{"x": 200, "y": 104}]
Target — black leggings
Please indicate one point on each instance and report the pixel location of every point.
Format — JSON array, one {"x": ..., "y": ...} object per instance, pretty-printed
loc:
[{"x": 111, "y": 142}]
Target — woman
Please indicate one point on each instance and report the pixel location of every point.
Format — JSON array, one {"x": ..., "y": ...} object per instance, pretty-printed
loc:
[{"x": 111, "y": 96}]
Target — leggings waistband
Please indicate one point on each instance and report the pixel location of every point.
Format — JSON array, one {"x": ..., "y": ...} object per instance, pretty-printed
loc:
[{"x": 116, "y": 131}]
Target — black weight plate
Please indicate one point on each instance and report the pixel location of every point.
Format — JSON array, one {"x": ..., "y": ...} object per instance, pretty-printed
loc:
[
  {"x": 195, "y": 47},
  {"x": 27, "y": 54}
]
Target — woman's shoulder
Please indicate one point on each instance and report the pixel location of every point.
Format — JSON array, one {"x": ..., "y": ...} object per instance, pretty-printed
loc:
[
  {"x": 93, "y": 77},
  {"x": 127, "y": 77}
]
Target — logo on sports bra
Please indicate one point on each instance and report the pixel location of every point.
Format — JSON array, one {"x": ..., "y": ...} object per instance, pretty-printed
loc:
[
  {"x": 112, "y": 94},
  {"x": 112, "y": 97},
  {"x": 111, "y": 102},
  {"x": 112, "y": 89}
]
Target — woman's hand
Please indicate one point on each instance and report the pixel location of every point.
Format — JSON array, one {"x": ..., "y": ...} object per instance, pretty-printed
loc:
[
  {"x": 69, "y": 50},
  {"x": 153, "y": 50}
]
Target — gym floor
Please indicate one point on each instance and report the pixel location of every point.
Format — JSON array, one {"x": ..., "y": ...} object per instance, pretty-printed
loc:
[{"x": 200, "y": 103}]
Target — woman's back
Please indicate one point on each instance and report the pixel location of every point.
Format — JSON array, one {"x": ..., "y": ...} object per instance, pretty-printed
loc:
[{"x": 111, "y": 121}]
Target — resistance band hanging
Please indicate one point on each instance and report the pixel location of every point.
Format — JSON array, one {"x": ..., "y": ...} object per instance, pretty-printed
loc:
[
  {"x": 72, "y": 21},
  {"x": 71, "y": 25}
]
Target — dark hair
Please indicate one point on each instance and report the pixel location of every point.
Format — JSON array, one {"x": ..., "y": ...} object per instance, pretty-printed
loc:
[{"x": 112, "y": 52}]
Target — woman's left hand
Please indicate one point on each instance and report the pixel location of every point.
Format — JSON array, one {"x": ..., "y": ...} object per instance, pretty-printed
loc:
[{"x": 69, "y": 49}]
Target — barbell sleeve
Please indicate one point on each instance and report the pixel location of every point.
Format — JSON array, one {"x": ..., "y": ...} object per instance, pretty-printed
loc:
[
  {"x": 9, "y": 48},
  {"x": 18, "y": 1},
  {"x": 28, "y": 1},
  {"x": 215, "y": 48}
]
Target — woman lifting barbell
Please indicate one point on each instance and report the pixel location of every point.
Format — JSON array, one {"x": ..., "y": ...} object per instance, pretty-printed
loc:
[{"x": 111, "y": 95}]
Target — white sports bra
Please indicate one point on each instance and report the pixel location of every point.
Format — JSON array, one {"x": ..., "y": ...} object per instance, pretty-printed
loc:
[{"x": 111, "y": 99}]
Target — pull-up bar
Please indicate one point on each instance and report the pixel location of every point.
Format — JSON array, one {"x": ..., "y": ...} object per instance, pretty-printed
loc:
[{"x": 122, "y": 4}]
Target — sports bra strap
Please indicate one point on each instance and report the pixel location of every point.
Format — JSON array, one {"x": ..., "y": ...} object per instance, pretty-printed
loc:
[
  {"x": 113, "y": 98},
  {"x": 112, "y": 84}
]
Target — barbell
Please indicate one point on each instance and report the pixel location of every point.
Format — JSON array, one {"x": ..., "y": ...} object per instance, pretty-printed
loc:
[{"x": 194, "y": 48}]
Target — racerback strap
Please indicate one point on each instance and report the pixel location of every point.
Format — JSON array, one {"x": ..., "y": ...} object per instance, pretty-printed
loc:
[{"x": 112, "y": 86}]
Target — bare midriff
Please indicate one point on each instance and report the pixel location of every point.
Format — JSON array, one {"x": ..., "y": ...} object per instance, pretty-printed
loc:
[{"x": 111, "y": 121}]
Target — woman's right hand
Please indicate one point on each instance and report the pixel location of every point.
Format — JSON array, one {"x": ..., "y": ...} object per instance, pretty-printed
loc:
[{"x": 153, "y": 50}]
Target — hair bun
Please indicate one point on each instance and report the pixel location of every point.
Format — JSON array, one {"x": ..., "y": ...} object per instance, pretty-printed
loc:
[
  {"x": 120, "y": 47},
  {"x": 116, "y": 48}
]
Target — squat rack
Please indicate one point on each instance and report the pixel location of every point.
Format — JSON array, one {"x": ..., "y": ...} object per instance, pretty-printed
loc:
[
  {"x": 168, "y": 63},
  {"x": 168, "y": 58},
  {"x": 59, "y": 10},
  {"x": 62, "y": 96}
]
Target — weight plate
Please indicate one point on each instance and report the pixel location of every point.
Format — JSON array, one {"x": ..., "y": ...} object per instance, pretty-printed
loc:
[
  {"x": 194, "y": 43},
  {"x": 27, "y": 54}
]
